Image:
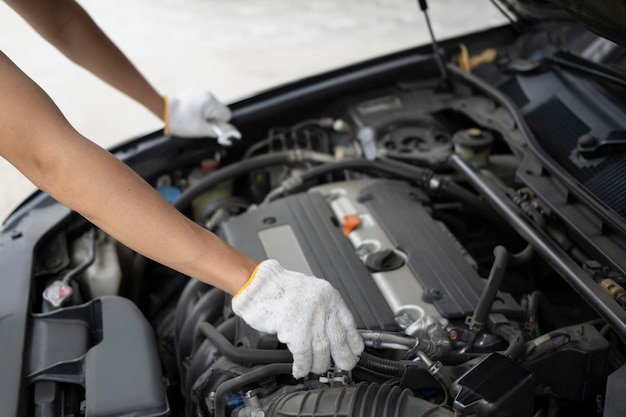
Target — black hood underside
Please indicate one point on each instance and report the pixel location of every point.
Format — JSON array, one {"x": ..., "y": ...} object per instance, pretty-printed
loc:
[{"x": 603, "y": 17}]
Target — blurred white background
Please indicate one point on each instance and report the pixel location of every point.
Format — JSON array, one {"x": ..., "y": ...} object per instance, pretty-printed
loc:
[{"x": 234, "y": 48}]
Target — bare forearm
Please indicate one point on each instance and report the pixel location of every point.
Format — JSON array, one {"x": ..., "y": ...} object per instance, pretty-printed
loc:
[
  {"x": 36, "y": 138},
  {"x": 114, "y": 198},
  {"x": 66, "y": 25}
]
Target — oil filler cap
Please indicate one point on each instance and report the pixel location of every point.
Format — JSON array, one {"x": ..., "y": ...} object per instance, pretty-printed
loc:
[{"x": 384, "y": 260}]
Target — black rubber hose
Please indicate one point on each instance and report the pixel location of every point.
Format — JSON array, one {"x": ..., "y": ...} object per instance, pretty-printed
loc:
[
  {"x": 419, "y": 176},
  {"x": 436, "y": 162},
  {"x": 488, "y": 296},
  {"x": 206, "y": 355},
  {"x": 91, "y": 257},
  {"x": 533, "y": 306},
  {"x": 381, "y": 365},
  {"x": 522, "y": 257},
  {"x": 243, "y": 355},
  {"x": 245, "y": 379},
  {"x": 453, "y": 191},
  {"x": 225, "y": 202},
  {"x": 230, "y": 172},
  {"x": 549, "y": 250},
  {"x": 515, "y": 339}
]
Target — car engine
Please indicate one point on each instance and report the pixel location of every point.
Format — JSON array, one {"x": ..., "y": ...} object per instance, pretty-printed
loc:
[{"x": 406, "y": 197}]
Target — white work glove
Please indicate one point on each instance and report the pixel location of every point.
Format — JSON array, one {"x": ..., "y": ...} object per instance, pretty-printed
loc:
[
  {"x": 197, "y": 113},
  {"x": 306, "y": 313}
]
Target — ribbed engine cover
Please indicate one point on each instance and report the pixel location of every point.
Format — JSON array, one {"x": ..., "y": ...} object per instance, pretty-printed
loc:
[{"x": 304, "y": 233}]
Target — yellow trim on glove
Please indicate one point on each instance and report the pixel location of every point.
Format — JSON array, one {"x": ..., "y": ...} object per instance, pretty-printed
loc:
[
  {"x": 248, "y": 282},
  {"x": 166, "y": 117}
]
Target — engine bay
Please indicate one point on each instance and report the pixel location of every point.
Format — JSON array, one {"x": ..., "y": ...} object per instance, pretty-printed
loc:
[{"x": 463, "y": 312}]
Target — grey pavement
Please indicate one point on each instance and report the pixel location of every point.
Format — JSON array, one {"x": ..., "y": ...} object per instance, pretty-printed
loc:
[{"x": 234, "y": 48}]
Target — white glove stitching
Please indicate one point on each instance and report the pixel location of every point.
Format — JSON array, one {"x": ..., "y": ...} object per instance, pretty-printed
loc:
[{"x": 306, "y": 313}]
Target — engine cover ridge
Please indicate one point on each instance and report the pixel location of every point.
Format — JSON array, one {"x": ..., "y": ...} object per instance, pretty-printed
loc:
[{"x": 299, "y": 232}]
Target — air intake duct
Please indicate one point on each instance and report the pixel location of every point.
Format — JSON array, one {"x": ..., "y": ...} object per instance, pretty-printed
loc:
[{"x": 362, "y": 400}]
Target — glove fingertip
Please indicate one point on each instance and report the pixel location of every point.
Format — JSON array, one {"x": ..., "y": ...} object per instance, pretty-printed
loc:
[
  {"x": 218, "y": 113},
  {"x": 321, "y": 360},
  {"x": 356, "y": 345},
  {"x": 345, "y": 361},
  {"x": 352, "y": 336},
  {"x": 301, "y": 364}
]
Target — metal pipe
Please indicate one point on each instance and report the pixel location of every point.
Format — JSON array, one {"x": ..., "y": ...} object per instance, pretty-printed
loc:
[
  {"x": 565, "y": 266},
  {"x": 380, "y": 340}
]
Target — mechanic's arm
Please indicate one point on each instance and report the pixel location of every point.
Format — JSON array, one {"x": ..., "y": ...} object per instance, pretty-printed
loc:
[
  {"x": 305, "y": 312},
  {"x": 66, "y": 25},
  {"x": 37, "y": 140}
]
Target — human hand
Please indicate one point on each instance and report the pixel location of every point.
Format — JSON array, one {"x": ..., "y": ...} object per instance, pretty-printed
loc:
[
  {"x": 197, "y": 113},
  {"x": 306, "y": 313}
]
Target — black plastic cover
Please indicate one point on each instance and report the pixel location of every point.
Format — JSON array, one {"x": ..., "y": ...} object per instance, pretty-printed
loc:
[
  {"x": 114, "y": 357},
  {"x": 305, "y": 227},
  {"x": 497, "y": 386},
  {"x": 18, "y": 240},
  {"x": 604, "y": 17},
  {"x": 572, "y": 361},
  {"x": 615, "y": 401},
  {"x": 432, "y": 256}
]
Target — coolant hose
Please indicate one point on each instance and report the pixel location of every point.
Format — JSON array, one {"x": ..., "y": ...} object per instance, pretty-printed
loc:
[
  {"x": 515, "y": 339},
  {"x": 450, "y": 190},
  {"x": 522, "y": 257},
  {"x": 206, "y": 355},
  {"x": 419, "y": 176},
  {"x": 241, "y": 168},
  {"x": 488, "y": 296},
  {"x": 243, "y": 355}
]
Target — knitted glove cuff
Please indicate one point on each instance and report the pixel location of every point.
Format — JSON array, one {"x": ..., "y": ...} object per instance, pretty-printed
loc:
[{"x": 259, "y": 286}]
